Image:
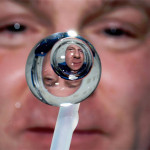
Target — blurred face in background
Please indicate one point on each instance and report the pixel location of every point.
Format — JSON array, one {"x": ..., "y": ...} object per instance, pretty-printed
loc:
[{"x": 116, "y": 116}]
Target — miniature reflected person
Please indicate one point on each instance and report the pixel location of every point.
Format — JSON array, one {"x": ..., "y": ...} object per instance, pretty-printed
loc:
[
  {"x": 74, "y": 57},
  {"x": 74, "y": 60},
  {"x": 117, "y": 114}
]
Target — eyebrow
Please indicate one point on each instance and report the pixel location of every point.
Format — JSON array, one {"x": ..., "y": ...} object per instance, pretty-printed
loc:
[
  {"x": 70, "y": 47},
  {"x": 30, "y": 3},
  {"x": 26, "y": 2},
  {"x": 107, "y": 6},
  {"x": 143, "y": 4},
  {"x": 105, "y": 3}
]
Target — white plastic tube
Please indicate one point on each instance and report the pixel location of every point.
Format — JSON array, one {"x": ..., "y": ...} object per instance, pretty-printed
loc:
[{"x": 67, "y": 121}]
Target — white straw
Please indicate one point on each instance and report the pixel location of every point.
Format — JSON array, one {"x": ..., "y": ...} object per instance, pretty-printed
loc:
[{"x": 67, "y": 121}]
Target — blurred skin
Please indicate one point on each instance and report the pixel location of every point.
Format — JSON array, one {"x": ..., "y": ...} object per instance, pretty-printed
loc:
[
  {"x": 74, "y": 57},
  {"x": 54, "y": 84},
  {"x": 116, "y": 116}
]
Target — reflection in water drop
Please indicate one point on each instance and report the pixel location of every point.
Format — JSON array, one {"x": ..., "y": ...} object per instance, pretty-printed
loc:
[
  {"x": 55, "y": 84},
  {"x": 62, "y": 69}
]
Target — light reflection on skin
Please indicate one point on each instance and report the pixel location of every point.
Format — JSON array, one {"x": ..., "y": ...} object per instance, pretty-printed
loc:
[
  {"x": 74, "y": 57},
  {"x": 55, "y": 84}
]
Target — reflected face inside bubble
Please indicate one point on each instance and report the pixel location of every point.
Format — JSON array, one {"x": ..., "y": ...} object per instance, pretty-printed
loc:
[
  {"x": 55, "y": 84},
  {"x": 74, "y": 57}
]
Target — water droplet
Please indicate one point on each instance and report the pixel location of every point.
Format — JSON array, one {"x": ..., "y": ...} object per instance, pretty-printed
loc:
[{"x": 61, "y": 75}]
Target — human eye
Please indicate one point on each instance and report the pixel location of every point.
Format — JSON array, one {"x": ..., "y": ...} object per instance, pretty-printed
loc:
[
  {"x": 114, "y": 35},
  {"x": 18, "y": 32},
  {"x": 80, "y": 50},
  {"x": 122, "y": 29},
  {"x": 117, "y": 32},
  {"x": 14, "y": 33},
  {"x": 13, "y": 28},
  {"x": 49, "y": 82},
  {"x": 73, "y": 84},
  {"x": 70, "y": 48}
]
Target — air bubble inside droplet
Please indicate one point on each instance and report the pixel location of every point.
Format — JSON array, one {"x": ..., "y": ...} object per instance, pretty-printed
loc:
[{"x": 76, "y": 59}]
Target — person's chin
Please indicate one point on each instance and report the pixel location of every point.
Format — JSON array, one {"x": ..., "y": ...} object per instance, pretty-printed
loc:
[{"x": 88, "y": 141}]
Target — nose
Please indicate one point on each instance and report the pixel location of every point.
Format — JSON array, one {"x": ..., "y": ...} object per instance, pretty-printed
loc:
[{"x": 76, "y": 53}]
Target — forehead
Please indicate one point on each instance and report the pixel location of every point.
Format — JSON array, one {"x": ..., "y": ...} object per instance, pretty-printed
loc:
[
  {"x": 73, "y": 46},
  {"x": 77, "y": 11},
  {"x": 87, "y": 4}
]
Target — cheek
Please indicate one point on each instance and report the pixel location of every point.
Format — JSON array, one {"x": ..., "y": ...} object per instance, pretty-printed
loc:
[
  {"x": 12, "y": 77},
  {"x": 13, "y": 83},
  {"x": 125, "y": 77},
  {"x": 69, "y": 61},
  {"x": 82, "y": 58},
  {"x": 12, "y": 66}
]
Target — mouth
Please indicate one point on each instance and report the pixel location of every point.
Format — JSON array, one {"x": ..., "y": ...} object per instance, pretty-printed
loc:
[
  {"x": 40, "y": 130},
  {"x": 86, "y": 136},
  {"x": 76, "y": 62},
  {"x": 40, "y": 135},
  {"x": 45, "y": 131},
  {"x": 45, "y": 135}
]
